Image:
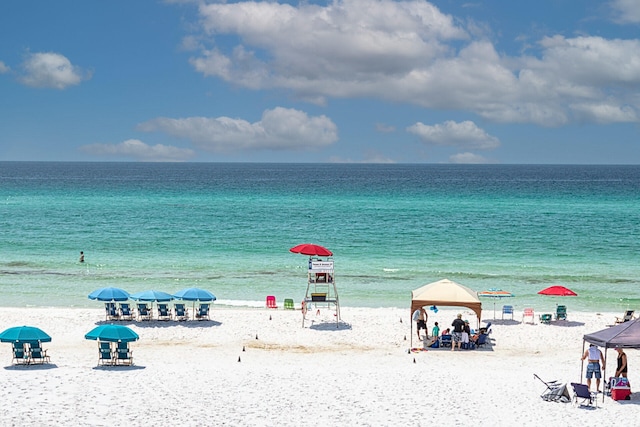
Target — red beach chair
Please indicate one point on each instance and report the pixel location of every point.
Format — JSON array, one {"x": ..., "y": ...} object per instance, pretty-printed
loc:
[{"x": 271, "y": 302}]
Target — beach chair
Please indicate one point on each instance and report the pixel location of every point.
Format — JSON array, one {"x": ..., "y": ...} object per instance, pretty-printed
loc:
[
  {"x": 550, "y": 387},
  {"x": 20, "y": 355},
  {"x": 545, "y": 318},
  {"x": 123, "y": 354},
  {"x": 271, "y": 302},
  {"x": 561, "y": 312},
  {"x": 628, "y": 315},
  {"x": 445, "y": 341},
  {"x": 125, "y": 311},
  {"x": 105, "y": 355},
  {"x": 180, "y": 312},
  {"x": 144, "y": 313},
  {"x": 288, "y": 304},
  {"x": 486, "y": 329},
  {"x": 528, "y": 312},
  {"x": 581, "y": 393},
  {"x": 111, "y": 311},
  {"x": 508, "y": 310},
  {"x": 482, "y": 340},
  {"x": 163, "y": 312},
  {"x": 203, "y": 312},
  {"x": 37, "y": 354}
]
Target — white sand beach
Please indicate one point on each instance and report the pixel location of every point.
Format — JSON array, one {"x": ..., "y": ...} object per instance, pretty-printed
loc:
[{"x": 261, "y": 367}]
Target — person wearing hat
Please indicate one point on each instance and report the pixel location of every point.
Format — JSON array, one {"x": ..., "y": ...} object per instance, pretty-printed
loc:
[
  {"x": 622, "y": 363},
  {"x": 594, "y": 355},
  {"x": 456, "y": 335}
]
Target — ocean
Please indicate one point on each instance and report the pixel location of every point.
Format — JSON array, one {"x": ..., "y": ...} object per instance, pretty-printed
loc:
[{"x": 228, "y": 227}]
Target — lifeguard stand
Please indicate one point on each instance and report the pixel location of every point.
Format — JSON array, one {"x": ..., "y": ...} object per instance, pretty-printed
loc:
[{"x": 321, "y": 286}]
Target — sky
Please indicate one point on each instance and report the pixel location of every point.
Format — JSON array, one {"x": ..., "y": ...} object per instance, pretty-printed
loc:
[{"x": 343, "y": 81}]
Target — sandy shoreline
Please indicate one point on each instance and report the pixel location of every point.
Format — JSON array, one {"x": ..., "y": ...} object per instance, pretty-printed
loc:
[{"x": 196, "y": 373}]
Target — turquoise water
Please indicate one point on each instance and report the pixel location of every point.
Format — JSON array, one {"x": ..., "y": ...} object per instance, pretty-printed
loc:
[{"x": 392, "y": 228}]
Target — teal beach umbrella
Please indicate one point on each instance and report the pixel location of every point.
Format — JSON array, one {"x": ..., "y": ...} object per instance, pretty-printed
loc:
[
  {"x": 109, "y": 294},
  {"x": 24, "y": 333},
  {"x": 112, "y": 333},
  {"x": 194, "y": 294}
]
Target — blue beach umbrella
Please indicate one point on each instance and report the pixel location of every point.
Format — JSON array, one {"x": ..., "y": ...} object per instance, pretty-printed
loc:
[
  {"x": 194, "y": 294},
  {"x": 24, "y": 333},
  {"x": 151, "y": 296},
  {"x": 109, "y": 294},
  {"x": 112, "y": 333}
]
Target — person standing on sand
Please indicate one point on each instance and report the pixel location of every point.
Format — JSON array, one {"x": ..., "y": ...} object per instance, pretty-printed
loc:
[
  {"x": 622, "y": 363},
  {"x": 81, "y": 256},
  {"x": 594, "y": 355},
  {"x": 456, "y": 336},
  {"x": 420, "y": 317}
]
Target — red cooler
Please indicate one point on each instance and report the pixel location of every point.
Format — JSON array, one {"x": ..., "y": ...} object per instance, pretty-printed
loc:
[{"x": 620, "y": 389}]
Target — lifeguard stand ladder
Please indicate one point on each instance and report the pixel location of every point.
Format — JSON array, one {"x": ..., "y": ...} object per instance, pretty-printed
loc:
[{"x": 321, "y": 287}]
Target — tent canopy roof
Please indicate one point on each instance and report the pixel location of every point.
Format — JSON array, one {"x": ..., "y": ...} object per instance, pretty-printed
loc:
[
  {"x": 626, "y": 335},
  {"x": 446, "y": 293}
]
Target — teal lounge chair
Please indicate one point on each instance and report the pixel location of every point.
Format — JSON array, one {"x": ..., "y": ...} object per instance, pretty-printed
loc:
[
  {"x": 203, "y": 312},
  {"x": 37, "y": 354},
  {"x": 123, "y": 354},
  {"x": 111, "y": 311},
  {"x": 125, "y": 311},
  {"x": 180, "y": 312},
  {"x": 105, "y": 355},
  {"x": 163, "y": 312},
  {"x": 144, "y": 313},
  {"x": 20, "y": 356},
  {"x": 545, "y": 318},
  {"x": 561, "y": 312}
]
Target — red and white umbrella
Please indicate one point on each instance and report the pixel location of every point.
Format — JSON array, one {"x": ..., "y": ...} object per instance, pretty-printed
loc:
[{"x": 311, "y": 249}]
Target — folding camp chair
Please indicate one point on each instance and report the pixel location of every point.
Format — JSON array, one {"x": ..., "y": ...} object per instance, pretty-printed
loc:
[
  {"x": 508, "y": 310},
  {"x": 581, "y": 392},
  {"x": 552, "y": 392}
]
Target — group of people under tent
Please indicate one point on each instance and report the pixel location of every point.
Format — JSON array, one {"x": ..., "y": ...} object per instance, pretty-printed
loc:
[{"x": 461, "y": 333}]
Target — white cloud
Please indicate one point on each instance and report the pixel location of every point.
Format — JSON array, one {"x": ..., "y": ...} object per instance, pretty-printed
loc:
[
  {"x": 381, "y": 127},
  {"x": 410, "y": 52},
  {"x": 4, "y": 68},
  {"x": 465, "y": 135},
  {"x": 138, "y": 150},
  {"x": 468, "y": 158},
  {"x": 51, "y": 70},
  {"x": 626, "y": 11},
  {"x": 279, "y": 129}
]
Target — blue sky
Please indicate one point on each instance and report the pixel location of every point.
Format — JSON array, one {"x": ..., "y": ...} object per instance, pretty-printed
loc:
[{"x": 357, "y": 81}]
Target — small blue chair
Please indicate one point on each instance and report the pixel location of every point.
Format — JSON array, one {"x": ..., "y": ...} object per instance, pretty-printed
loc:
[
  {"x": 507, "y": 309},
  {"x": 445, "y": 341},
  {"x": 482, "y": 340},
  {"x": 111, "y": 311},
  {"x": 37, "y": 354}
]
